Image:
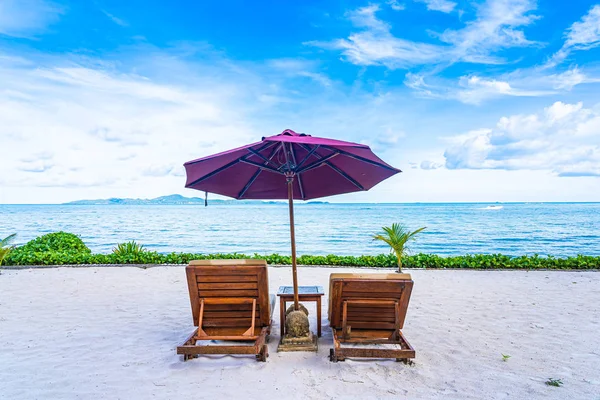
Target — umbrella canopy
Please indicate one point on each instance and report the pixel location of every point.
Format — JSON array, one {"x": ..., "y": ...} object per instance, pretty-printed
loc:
[
  {"x": 322, "y": 167},
  {"x": 289, "y": 166}
]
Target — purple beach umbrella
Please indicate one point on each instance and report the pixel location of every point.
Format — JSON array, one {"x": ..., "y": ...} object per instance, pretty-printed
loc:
[{"x": 289, "y": 166}]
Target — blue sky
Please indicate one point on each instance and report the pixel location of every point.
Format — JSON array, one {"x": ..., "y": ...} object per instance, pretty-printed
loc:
[{"x": 495, "y": 100}]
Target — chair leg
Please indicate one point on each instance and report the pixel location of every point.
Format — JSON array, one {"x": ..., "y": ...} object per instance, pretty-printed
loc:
[{"x": 264, "y": 353}]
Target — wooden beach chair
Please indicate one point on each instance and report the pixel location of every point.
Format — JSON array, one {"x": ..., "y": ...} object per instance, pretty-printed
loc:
[
  {"x": 230, "y": 302},
  {"x": 369, "y": 309}
]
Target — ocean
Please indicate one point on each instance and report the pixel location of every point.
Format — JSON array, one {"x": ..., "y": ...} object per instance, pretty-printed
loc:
[{"x": 558, "y": 229}]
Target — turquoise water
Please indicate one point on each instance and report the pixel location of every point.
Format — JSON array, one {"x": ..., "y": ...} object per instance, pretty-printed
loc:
[{"x": 452, "y": 229}]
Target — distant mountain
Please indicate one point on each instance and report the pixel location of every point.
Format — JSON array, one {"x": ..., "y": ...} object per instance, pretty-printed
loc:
[{"x": 174, "y": 199}]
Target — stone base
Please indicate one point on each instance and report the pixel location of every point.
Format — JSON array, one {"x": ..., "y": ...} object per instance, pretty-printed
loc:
[{"x": 308, "y": 343}]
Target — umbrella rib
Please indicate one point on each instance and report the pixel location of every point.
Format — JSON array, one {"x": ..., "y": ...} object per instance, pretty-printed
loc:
[
  {"x": 310, "y": 153},
  {"x": 256, "y": 153},
  {"x": 250, "y": 182},
  {"x": 261, "y": 166},
  {"x": 256, "y": 174},
  {"x": 345, "y": 153},
  {"x": 339, "y": 171},
  {"x": 300, "y": 185},
  {"x": 345, "y": 175},
  {"x": 263, "y": 147},
  {"x": 213, "y": 173},
  {"x": 224, "y": 167},
  {"x": 321, "y": 160}
]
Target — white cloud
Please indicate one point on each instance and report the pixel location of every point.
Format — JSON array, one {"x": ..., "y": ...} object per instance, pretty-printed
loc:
[
  {"x": 563, "y": 139},
  {"x": 115, "y": 19},
  {"x": 84, "y": 126},
  {"x": 158, "y": 170},
  {"x": 26, "y": 18},
  {"x": 428, "y": 165},
  {"x": 445, "y": 6},
  {"x": 582, "y": 35},
  {"x": 116, "y": 133},
  {"x": 394, "y": 5},
  {"x": 586, "y": 33},
  {"x": 474, "y": 89},
  {"x": 497, "y": 25},
  {"x": 295, "y": 67}
]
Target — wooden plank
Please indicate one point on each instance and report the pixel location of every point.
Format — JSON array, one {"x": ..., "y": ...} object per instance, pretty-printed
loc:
[
  {"x": 373, "y": 316},
  {"x": 263, "y": 302},
  {"x": 190, "y": 340},
  {"x": 368, "y": 303},
  {"x": 396, "y": 321},
  {"x": 335, "y": 303},
  {"x": 241, "y": 338},
  {"x": 226, "y": 270},
  {"x": 226, "y": 285},
  {"x": 229, "y": 314},
  {"x": 368, "y": 340},
  {"x": 225, "y": 278},
  {"x": 405, "y": 342},
  {"x": 403, "y": 306},
  {"x": 228, "y": 293},
  {"x": 197, "y": 350},
  {"x": 369, "y": 318},
  {"x": 260, "y": 341},
  {"x": 374, "y": 308},
  {"x": 251, "y": 329},
  {"x": 372, "y": 325},
  {"x": 228, "y": 300},
  {"x": 347, "y": 352},
  {"x": 345, "y": 328},
  {"x": 387, "y": 312},
  {"x": 379, "y": 286},
  {"x": 348, "y": 295},
  {"x": 227, "y": 307},
  {"x": 229, "y": 331},
  {"x": 244, "y": 262},
  {"x": 227, "y": 322},
  {"x": 200, "y": 319},
  {"x": 370, "y": 333},
  {"x": 193, "y": 293}
]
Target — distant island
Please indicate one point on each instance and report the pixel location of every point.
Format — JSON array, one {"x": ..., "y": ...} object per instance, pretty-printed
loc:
[{"x": 174, "y": 199}]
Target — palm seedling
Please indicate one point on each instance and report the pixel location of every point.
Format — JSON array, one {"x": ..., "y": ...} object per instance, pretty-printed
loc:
[
  {"x": 397, "y": 237},
  {"x": 6, "y": 247}
]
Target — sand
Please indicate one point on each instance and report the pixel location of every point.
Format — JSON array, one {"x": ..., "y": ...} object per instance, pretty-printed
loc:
[{"x": 111, "y": 333}]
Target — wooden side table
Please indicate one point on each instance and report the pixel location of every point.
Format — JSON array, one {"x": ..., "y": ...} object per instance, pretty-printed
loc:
[{"x": 305, "y": 293}]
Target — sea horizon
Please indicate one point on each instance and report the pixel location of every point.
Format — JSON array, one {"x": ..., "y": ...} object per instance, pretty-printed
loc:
[{"x": 513, "y": 228}]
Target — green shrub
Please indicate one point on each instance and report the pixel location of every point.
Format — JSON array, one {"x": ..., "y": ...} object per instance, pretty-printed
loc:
[
  {"x": 51, "y": 249},
  {"x": 57, "y": 241},
  {"x": 63, "y": 248}
]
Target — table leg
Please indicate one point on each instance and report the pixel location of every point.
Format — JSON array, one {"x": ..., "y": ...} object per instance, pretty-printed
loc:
[
  {"x": 319, "y": 316},
  {"x": 282, "y": 315}
]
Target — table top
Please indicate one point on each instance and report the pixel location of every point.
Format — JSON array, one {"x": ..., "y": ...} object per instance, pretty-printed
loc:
[{"x": 310, "y": 290}]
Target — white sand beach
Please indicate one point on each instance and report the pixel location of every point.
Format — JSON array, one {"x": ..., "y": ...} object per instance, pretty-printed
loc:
[{"x": 111, "y": 333}]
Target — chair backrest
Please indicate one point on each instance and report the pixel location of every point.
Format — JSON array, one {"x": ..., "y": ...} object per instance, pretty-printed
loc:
[
  {"x": 371, "y": 314},
  {"x": 214, "y": 279}
]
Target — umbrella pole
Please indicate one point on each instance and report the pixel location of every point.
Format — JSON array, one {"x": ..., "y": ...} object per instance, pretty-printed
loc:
[{"x": 290, "y": 182}]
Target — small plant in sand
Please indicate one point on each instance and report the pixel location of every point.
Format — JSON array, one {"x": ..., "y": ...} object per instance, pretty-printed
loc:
[
  {"x": 6, "y": 247},
  {"x": 554, "y": 382},
  {"x": 505, "y": 357},
  {"x": 132, "y": 253},
  {"x": 397, "y": 237},
  {"x": 129, "y": 248}
]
